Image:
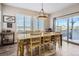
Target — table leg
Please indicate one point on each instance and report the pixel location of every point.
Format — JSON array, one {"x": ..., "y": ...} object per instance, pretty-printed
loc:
[{"x": 21, "y": 47}]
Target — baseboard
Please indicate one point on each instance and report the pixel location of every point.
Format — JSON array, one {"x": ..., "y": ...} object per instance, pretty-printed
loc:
[
  {"x": 71, "y": 42},
  {"x": 8, "y": 44}
]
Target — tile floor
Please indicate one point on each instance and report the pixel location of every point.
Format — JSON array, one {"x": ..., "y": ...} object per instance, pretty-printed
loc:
[{"x": 67, "y": 49}]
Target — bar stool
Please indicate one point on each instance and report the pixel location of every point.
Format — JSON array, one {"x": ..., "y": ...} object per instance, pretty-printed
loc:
[
  {"x": 35, "y": 42},
  {"x": 46, "y": 42}
]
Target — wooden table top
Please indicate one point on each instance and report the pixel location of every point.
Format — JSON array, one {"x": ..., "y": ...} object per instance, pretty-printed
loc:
[{"x": 28, "y": 36}]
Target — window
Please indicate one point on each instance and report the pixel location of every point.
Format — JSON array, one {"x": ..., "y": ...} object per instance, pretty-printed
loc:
[
  {"x": 28, "y": 23},
  {"x": 20, "y": 23},
  {"x": 41, "y": 25},
  {"x": 28, "y": 20},
  {"x": 23, "y": 23},
  {"x": 35, "y": 24}
]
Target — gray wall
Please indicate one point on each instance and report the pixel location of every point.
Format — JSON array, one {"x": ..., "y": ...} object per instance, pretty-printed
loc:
[{"x": 0, "y": 23}]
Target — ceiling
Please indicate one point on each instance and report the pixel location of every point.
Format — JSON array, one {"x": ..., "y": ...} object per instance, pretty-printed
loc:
[{"x": 48, "y": 7}]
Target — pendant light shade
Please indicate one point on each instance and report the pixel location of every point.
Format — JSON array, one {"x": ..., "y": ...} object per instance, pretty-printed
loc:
[{"x": 42, "y": 15}]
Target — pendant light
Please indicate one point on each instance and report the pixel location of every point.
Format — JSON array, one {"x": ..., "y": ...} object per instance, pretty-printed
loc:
[{"x": 42, "y": 15}]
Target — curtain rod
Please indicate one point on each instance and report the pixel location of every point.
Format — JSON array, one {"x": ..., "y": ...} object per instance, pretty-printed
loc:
[{"x": 67, "y": 14}]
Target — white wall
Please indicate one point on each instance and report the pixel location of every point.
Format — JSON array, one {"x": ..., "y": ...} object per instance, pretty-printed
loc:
[
  {"x": 12, "y": 11},
  {"x": 68, "y": 10},
  {"x": 9, "y": 10}
]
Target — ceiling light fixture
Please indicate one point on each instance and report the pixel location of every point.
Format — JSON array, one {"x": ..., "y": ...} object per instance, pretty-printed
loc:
[{"x": 42, "y": 14}]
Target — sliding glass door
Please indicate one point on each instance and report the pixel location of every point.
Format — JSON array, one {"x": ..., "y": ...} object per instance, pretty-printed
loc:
[
  {"x": 74, "y": 29},
  {"x": 69, "y": 28},
  {"x": 61, "y": 26}
]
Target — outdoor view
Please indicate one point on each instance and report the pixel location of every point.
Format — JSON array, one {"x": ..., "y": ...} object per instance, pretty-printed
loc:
[
  {"x": 28, "y": 23},
  {"x": 69, "y": 27}
]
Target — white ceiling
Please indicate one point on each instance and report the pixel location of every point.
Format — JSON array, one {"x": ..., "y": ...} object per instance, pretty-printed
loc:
[{"x": 48, "y": 7}]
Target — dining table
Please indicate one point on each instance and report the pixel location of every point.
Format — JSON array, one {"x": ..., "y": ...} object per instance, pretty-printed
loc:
[{"x": 23, "y": 39}]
